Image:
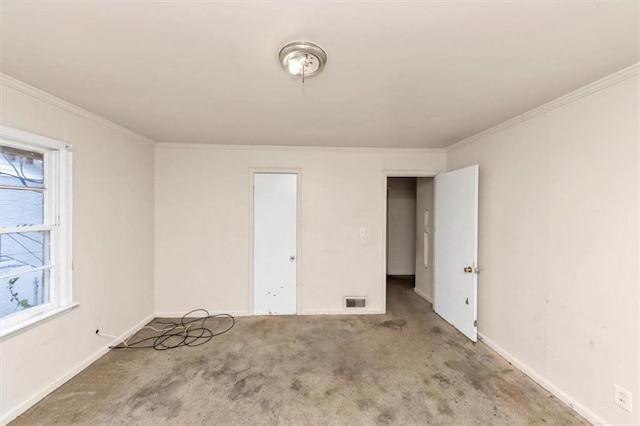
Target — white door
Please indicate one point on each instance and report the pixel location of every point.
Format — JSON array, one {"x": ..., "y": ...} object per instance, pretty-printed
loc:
[
  {"x": 456, "y": 249},
  {"x": 275, "y": 215}
]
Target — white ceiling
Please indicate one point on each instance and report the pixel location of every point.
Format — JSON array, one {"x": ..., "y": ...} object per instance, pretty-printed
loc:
[{"x": 399, "y": 74}]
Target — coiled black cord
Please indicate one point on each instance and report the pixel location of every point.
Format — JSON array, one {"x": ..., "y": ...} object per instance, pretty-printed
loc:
[{"x": 189, "y": 332}]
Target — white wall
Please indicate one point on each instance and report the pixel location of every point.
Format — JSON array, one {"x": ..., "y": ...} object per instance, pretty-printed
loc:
[
  {"x": 113, "y": 247},
  {"x": 558, "y": 239},
  {"x": 202, "y": 223},
  {"x": 424, "y": 201},
  {"x": 559, "y": 233},
  {"x": 401, "y": 225}
]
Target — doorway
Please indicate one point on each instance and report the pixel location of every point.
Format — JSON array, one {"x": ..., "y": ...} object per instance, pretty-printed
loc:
[
  {"x": 445, "y": 241},
  {"x": 409, "y": 260},
  {"x": 275, "y": 235}
]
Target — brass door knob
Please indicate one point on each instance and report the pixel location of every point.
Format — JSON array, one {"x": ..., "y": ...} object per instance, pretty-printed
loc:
[{"x": 468, "y": 270}]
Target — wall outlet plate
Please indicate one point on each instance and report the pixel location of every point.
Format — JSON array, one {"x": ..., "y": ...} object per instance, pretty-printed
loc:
[{"x": 622, "y": 398}]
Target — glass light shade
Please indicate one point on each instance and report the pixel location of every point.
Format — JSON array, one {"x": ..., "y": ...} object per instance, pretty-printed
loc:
[{"x": 294, "y": 66}]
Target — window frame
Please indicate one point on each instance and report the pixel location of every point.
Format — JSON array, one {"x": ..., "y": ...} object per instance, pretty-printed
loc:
[{"x": 57, "y": 220}]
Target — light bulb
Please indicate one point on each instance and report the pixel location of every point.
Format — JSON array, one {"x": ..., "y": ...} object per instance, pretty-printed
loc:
[{"x": 295, "y": 66}]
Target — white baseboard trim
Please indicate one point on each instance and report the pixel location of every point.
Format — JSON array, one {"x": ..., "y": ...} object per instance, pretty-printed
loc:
[
  {"x": 351, "y": 311},
  {"x": 424, "y": 295},
  {"x": 557, "y": 392},
  {"x": 247, "y": 314},
  {"x": 170, "y": 314},
  {"x": 30, "y": 402}
]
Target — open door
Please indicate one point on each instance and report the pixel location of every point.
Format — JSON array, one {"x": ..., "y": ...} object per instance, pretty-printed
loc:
[{"x": 456, "y": 249}]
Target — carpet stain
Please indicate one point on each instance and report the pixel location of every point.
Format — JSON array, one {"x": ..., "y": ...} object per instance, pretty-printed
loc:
[
  {"x": 348, "y": 374},
  {"x": 404, "y": 367},
  {"x": 443, "y": 408},
  {"x": 387, "y": 416},
  {"x": 246, "y": 387},
  {"x": 365, "y": 403},
  {"x": 442, "y": 380},
  {"x": 160, "y": 397},
  {"x": 474, "y": 374},
  {"x": 392, "y": 324}
]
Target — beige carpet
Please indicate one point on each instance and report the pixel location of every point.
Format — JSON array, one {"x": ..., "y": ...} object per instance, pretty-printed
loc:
[{"x": 405, "y": 367}]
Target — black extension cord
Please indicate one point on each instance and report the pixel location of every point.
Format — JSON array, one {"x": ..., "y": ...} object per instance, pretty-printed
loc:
[{"x": 191, "y": 335}]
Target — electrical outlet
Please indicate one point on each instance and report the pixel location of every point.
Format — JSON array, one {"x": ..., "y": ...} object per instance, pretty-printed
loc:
[{"x": 622, "y": 398}]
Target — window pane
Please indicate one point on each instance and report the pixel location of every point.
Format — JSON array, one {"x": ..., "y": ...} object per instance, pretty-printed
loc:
[
  {"x": 21, "y": 208},
  {"x": 23, "y": 250},
  {"x": 23, "y": 292},
  {"x": 21, "y": 168}
]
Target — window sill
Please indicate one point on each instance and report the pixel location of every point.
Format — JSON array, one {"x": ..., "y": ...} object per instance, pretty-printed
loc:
[{"x": 35, "y": 320}]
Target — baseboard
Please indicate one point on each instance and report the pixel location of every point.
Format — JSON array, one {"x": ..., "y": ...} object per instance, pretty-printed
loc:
[
  {"x": 561, "y": 395},
  {"x": 424, "y": 295},
  {"x": 169, "y": 314},
  {"x": 344, "y": 311},
  {"x": 247, "y": 314},
  {"x": 24, "y": 406}
]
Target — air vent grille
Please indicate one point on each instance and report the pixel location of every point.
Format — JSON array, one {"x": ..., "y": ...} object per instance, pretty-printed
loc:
[{"x": 355, "y": 302}]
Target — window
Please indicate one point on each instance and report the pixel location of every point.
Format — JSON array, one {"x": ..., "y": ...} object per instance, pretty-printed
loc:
[{"x": 35, "y": 229}]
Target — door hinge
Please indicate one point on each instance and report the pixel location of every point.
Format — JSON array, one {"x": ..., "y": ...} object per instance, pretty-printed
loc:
[{"x": 475, "y": 323}]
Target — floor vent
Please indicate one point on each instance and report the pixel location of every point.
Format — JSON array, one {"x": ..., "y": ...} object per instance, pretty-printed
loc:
[{"x": 351, "y": 302}]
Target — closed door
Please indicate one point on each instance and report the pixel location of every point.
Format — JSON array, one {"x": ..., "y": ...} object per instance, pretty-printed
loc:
[
  {"x": 456, "y": 249},
  {"x": 275, "y": 216}
]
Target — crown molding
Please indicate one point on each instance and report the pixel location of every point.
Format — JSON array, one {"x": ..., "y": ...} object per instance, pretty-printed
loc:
[
  {"x": 596, "y": 86},
  {"x": 43, "y": 96},
  {"x": 228, "y": 147}
]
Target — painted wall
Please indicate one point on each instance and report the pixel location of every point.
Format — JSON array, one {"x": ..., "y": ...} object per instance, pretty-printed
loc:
[
  {"x": 401, "y": 225},
  {"x": 424, "y": 201},
  {"x": 113, "y": 249},
  {"x": 203, "y": 229},
  {"x": 558, "y": 239},
  {"x": 559, "y": 246}
]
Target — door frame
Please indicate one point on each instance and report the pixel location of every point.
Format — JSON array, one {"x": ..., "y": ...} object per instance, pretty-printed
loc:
[
  {"x": 387, "y": 174},
  {"x": 275, "y": 170}
]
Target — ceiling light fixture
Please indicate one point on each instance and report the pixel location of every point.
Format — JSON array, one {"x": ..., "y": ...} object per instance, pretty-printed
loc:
[{"x": 302, "y": 58}]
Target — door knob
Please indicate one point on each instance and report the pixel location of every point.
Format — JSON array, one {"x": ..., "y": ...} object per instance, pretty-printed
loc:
[
  {"x": 292, "y": 258},
  {"x": 468, "y": 270}
]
